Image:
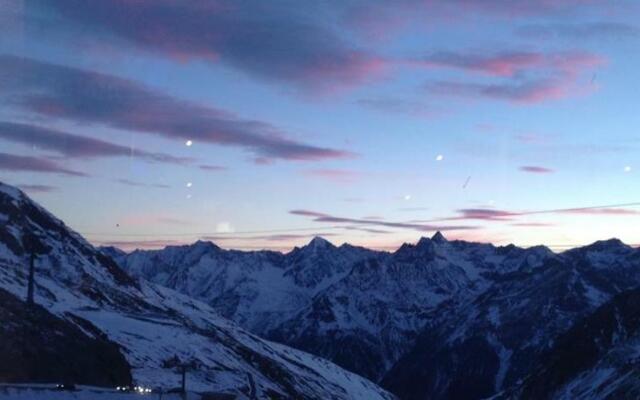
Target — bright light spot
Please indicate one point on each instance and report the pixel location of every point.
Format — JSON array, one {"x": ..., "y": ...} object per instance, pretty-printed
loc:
[
  {"x": 407, "y": 197},
  {"x": 627, "y": 169},
  {"x": 439, "y": 157},
  {"x": 188, "y": 143},
  {"x": 189, "y": 184},
  {"x": 188, "y": 196},
  {"x": 224, "y": 227}
]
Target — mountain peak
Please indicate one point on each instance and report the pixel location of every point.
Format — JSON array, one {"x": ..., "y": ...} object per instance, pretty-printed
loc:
[
  {"x": 438, "y": 237},
  {"x": 608, "y": 244},
  {"x": 205, "y": 245},
  {"x": 319, "y": 242}
]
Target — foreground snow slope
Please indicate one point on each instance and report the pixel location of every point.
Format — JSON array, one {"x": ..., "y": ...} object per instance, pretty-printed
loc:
[
  {"x": 45, "y": 392},
  {"x": 154, "y": 325}
]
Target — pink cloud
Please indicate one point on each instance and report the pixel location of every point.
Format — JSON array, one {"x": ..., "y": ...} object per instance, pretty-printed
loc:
[
  {"x": 334, "y": 175},
  {"x": 273, "y": 43},
  {"x": 507, "y": 8},
  {"x": 527, "y": 78},
  {"x": 536, "y": 169},
  {"x": 482, "y": 214},
  {"x": 77, "y": 146},
  {"x": 327, "y": 218},
  {"x": 90, "y": 97},
  {"x": 502, "y": 64},
  {"x": 533, "y": 224},
  {"x": 399, "y": 106},
  {"x": 212, "y": 168},
  {"x": 130, "y": 182},
  {"x": 602, "y": 211},
  {"x": 491, "y": 214},
  {"x": 521, "y": 92},
  {"x": 579, "y": 31}
]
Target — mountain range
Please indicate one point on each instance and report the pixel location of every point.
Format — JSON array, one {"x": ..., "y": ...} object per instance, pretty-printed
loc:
[{"x": 438, "y": 319}]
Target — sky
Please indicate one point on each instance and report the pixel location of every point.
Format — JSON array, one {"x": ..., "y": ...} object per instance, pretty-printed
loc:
[{"x": 262, "y": 124}]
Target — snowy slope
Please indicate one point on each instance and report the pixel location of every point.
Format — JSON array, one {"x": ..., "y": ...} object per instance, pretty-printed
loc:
[
  {"x": 47, "y": 392},
  {"x": 475, "y": 348},
  {"x": 375, "y": 313},
  {"x": 598, "y": 358},
  {"x": 154, "y": 324},
  {"x": 258, "y": 289},
  {"x": 359, "y": 308}
]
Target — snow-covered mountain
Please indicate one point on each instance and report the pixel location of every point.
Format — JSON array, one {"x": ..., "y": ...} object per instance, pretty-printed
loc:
[
  {"x": 154, "y": 326},
  {"x": 437, "y": 319},
  {"x": 598, "y": 358},
  {"x": 258, "y": 289},
  {"x": 368, "y": 320},
  {"x": 474, "y": 348},
  {"x": 360, "y": 308}
]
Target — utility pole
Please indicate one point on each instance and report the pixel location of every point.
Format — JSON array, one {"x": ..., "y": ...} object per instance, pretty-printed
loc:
[{"x": 32, "y": 246}]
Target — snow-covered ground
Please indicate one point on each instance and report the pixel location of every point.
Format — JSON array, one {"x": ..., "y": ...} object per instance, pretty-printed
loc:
[
  {"x": 152, "y": 324},
  {"x": 31, "y": 391}
]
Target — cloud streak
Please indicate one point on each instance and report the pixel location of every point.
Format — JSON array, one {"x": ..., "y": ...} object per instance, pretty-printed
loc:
[
  {"x": 593, "y": 30},
  {"x": 492, "y": 214},
  {"x": 129, "y": 182},
  {"x": 91, "y": 97},
  {"x": 272, "y": 42},
  {"x": 399, "y": 106},
  {"x": 280, "y": 237},
  {"x": 501, "y": 64},
  {"x": 129, "y": 245},
  {"x": 71, "y": 145},
  {"x": 334, "y": 175},
  {"x": 37, "y": 188},
  {"x": 526, "y": 77},
  {"x": 212, "y": 168},
  {"x": 327, "y": 218},
  {"x": 536, "y": 169},
  {"x": 364, "y": 17},
  {"x": 602, "y": 211},
  {"x": 15, "y": 163}
]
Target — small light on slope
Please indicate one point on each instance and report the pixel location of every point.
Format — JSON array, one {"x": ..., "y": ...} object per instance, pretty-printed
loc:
[
  {"x": 439, "y": 157},
  {"x": 627, "y": 169},
  {"x": 188, "y": 143},
  {"x": 189, "y": 184},
  {"x": 407, "y": 197}
]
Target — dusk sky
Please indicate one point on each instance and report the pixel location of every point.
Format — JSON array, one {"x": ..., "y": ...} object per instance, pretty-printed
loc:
[{"x": 259, "y": 124}]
